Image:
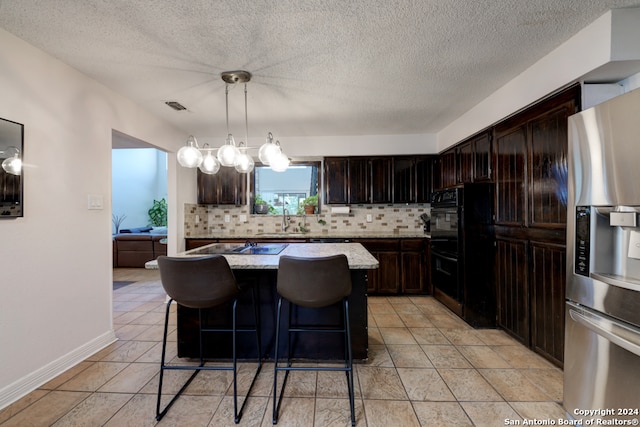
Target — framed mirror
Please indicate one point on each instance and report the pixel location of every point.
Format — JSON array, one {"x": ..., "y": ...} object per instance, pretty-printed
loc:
[
  {"x": 291, "y": 190},
  {"x": 11, "y": 183}
]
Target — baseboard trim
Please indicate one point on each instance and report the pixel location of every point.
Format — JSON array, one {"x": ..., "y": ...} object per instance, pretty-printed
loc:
[{"x": 27, "y": 384}]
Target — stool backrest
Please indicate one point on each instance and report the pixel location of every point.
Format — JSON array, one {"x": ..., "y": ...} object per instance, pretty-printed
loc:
[
  {"x": 198, "y": 282},
  {"x": 314, "y": 282}
]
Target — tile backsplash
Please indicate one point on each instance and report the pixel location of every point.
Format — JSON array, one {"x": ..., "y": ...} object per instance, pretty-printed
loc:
[{"x": 209, "y": 220}]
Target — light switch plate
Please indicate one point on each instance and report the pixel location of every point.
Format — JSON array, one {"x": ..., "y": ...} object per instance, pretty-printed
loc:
[
  {"x": 369, "y": 218},
  {"x": 95, "y": 201},
  {"x": 227, "y": 218}
]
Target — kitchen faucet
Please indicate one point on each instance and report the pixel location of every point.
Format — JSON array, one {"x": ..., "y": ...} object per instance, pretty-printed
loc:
[{"x": 286, "y": 219}]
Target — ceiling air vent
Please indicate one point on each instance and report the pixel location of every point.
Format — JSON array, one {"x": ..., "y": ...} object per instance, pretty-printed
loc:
[{"x": 176, "y": 105}]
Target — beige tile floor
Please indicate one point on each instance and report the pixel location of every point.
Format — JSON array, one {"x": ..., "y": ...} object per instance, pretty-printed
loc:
[{"x": 426, "y": 368}]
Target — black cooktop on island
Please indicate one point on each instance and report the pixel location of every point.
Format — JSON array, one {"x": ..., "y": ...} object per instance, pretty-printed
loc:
[{"x": 246, "y": 249}]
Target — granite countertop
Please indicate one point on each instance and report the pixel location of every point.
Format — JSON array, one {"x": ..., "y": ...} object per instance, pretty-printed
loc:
[
  {"x": 359, "y": 258},
  {"x": 322, "y": 235}
]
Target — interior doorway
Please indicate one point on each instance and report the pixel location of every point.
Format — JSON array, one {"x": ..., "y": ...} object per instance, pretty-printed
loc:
[{"x": 139, "y": 199}]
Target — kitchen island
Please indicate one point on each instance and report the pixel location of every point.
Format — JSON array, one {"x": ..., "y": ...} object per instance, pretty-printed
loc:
[{"x": 261, "y": 271}]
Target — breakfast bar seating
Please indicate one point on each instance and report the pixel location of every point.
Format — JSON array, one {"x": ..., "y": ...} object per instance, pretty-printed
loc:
[
  {"x": 262, "y": 271},
  {"x": 315, "y": 283},
  {"x": 204, "y": 283}
]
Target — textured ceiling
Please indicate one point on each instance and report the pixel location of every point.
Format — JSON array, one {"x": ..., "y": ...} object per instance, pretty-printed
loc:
[{"x": 320, "y": 67}]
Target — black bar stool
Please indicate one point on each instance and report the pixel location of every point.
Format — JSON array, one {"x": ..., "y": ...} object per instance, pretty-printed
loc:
[
  {"x": 204, "y": 283},
  {"x": 313, "y": 283}
]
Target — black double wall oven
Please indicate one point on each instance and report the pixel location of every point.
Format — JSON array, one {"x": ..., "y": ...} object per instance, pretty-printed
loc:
[
  {"x": 446, "y": 236},
  {"x": 462, "y": 246}
]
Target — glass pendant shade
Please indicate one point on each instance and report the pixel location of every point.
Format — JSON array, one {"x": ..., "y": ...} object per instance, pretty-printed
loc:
[
  {"x": 190, "y": 156},
  {"x": 227, "y": 153},
  {"x": 210, "y": 165},
  {"x": 268, "y": 151},
  {"x": 280, "y": 163},
  {"x": 244, "y": 162},
  {"x": 12, "y": 165}
]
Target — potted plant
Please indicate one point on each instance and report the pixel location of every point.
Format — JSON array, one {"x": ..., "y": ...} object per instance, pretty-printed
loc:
[
  {"x": 310, "y": 204},
  {"x": 260, "y": 206},
  {"x": 158, "y": 213}
]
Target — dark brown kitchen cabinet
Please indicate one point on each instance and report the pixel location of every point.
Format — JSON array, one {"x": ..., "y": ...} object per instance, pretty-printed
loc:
[
  {"x": 412, "y": 179},
  {"x": 424, "y": 178},
  {"x": 482, "y": 158},
  {"x": 403, "y": 266},
  {"x": 381, "y": 178},
  {"x": 413, "y": 266},
  {"x": 511, "y": 176},
  {"x": 446, "y": 170},
  {"x": 336, "y": 180},
  {"x": 404, "y": 180},
  {"x": 359, "y": 180},
  {"x": 547, "y": 299},
  {"x": 548, "y": 167},
  {"x": 464, "y": 154},
  {"x": 512, "y": 287},
  {"x": 386, "y": 278},
  {"x": 474, "y": 159},
  {"x": 363, "y": 180},
  {"x": 227, "y": 187},
  {"x": 530, "y": 152}
]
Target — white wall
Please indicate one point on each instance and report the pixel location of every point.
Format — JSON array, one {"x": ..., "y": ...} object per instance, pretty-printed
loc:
[
  {"x": 56, "y": 304},
  {"x": 139, "y": 177}
]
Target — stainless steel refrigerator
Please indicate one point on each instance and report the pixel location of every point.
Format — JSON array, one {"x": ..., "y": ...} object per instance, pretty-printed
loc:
[{"x": 602, "y": 337}]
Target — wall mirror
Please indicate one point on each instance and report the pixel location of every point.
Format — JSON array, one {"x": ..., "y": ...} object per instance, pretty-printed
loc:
[
  {"x": 291, "y": 190},
  {"x": 11, "y": 185}
]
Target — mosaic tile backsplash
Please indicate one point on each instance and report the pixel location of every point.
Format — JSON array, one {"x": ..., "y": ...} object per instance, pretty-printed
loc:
[{"x": 208, "y": 220}]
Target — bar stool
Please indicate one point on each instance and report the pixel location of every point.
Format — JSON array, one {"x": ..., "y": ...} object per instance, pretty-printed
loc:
[
  {"x": 313, "y": 283},
  {"x": 204, "y": 283}
]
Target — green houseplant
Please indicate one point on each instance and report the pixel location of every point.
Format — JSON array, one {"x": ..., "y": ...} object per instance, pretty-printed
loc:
[
  {"x": 260, "y": 206},
  {"x": 158, "y": 213},
  {"x": 310, "y": 204}
]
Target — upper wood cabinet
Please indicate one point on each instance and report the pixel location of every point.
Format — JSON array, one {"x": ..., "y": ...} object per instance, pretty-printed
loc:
[
  {"x": 381, "y": 178},
  {"x": 548, "y": 167},
  {"x": 336, "y": 180},
  {"x": 511, "y": 176},
  {"x": 531, "y": 170},
  {"x": 227, "y": 187},
  {"x": 473, "y": 159},
  {"x": 446, "y": 173},
  {"x": 361, "y": 180}
]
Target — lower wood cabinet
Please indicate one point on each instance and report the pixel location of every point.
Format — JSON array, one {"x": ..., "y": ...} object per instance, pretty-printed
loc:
[
  {"x": 548, "y": 282},
  {"x": 530, "y": 285},
  {"x": 512, "y": 287},
  {"x": 402, "y": 266}
]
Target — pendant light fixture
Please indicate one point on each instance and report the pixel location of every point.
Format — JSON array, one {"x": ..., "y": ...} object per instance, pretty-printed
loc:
[
  {"x": 190, "y": 155},
  {"x": 230, "y": 154}
]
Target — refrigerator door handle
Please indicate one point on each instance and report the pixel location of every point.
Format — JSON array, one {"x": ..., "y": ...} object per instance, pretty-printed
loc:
[
  {"x": 619, "y": 281},
  {"x": 607, "y": 329}
]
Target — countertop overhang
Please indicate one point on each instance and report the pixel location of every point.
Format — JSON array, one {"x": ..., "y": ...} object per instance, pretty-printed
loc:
[{"x": 358, "y": 257}]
